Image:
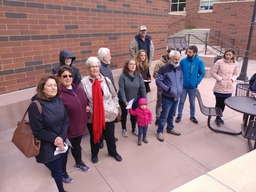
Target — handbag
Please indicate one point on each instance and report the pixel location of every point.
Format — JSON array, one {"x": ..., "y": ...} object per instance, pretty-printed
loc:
[
  {"x": 118, "y": 117},
  {"x": 24, "y": 138}
]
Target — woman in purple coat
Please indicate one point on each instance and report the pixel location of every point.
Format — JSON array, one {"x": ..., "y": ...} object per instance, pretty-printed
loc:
[{"x": 77, "y": 107}]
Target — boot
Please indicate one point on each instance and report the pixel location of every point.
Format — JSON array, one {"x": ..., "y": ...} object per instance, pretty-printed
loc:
[{"x": 139, "y": 142}]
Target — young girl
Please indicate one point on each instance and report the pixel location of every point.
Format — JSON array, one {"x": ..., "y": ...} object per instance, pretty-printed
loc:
[
  {"x": 143, "y": 67},
  {"x": 144, "y": 117},
  {"x": 225, "y": 72}
]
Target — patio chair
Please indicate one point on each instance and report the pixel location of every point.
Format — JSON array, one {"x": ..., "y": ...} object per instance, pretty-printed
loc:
[
  {"x": 184, "y": 43},
  {"x": 242, "y": 89},
  {"x": 210, "y": 112},
  {"x": 177, "y": 44},
  {"x": 249, "y": 132}
]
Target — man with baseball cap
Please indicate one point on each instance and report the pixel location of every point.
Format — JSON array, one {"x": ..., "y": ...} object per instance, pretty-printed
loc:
[{"x": 142, "y": 41}]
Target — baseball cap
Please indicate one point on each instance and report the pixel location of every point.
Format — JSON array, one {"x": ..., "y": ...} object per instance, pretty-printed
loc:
[{"x": 143, "y": 27}]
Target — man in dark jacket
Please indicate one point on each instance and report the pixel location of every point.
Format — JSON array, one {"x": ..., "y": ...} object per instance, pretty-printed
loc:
[
  {"x": 67, "y": 58},
  {"x": 142, "y": 41},
  {"x": 169, "y": 79}
]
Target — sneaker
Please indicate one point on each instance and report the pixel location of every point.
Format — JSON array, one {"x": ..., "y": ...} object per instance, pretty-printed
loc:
[
  {"x": 82, "y": 166},
  {"x": 156, "y": 122},
  {"x": 221, "y": 121},
  {"x": 135, "y": 132},
  {"x": 139, "y": 142},
  {"x": 116, "y": 139},
  {"x": 95, "y": 159},
  {"x": 177, "y": 120},
  {"x": 174, "y": 132},
  {"x": 160, "y": 137},
  {"x": 117, "y": 157},
  {"x": 66, "y": 178},
  {"x": 101, "y": 144},
  {"x": 193, "y": 119},
  {"x": 124, "y": 133},
  {"x": 217, "y": 122},
  {"x": 145, "y": 140}
]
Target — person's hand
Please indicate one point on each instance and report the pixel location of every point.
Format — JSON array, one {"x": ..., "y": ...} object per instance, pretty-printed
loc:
[
  {"x": 254, "y": 94},
  {"x": 126, "y": 103},
  {"x": 58, "y": 141},
  {"x": 61, "y": 147},
  {"x": 88, "y": 108}
]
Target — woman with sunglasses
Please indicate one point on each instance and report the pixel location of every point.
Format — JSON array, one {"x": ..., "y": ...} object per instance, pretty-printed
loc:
[{"x": 78, "y": 110}]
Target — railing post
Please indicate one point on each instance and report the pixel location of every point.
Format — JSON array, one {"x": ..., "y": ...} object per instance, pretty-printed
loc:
[
  {"x": 205, "y": 45},
  {"x": 189, "y": 39}
]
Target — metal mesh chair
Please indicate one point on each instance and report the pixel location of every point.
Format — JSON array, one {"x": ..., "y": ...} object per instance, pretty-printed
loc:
[{"x": 242, "y": 89}]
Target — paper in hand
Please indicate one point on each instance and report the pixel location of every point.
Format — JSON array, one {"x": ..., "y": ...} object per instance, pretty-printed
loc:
[
  {"x": 57, "y": 151},
  {"x": 129, "y": 104}
]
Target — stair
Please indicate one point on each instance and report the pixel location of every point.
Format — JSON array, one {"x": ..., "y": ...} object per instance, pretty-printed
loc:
[{"x": 200, "y": 33}]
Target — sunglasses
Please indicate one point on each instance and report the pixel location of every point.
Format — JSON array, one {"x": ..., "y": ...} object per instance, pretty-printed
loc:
[{"x": 65, "y": 76}]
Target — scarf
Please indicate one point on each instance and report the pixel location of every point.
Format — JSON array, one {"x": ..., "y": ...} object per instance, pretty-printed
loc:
[{"x": 98, "y": 118}]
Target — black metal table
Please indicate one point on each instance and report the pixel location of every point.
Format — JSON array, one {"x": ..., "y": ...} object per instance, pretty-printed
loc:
[{"x": 247, "y": 106}]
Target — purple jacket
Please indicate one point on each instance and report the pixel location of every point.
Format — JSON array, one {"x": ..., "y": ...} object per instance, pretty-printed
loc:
[
  {"x": 144, "y": 117},
  {"x": 75, "y": 104}
]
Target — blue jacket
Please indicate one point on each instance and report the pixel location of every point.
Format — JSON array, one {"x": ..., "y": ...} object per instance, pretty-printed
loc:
[
  {"x": 170, "y": 79},
  {"x": 193, "y": 71}
]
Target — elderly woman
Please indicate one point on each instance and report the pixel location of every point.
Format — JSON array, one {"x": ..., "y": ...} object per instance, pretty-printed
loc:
[
  {"x": 131, "y": 86},
  {"x": 104, "y": 109},
  {"x": 77, "y": 107},
  {"x": 50, "y": 127}
]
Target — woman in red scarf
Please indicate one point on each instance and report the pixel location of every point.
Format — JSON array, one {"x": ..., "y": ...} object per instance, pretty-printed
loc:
[{"x": 104, "y": 105}]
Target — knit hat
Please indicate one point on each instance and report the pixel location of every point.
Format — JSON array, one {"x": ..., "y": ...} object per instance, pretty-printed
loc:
[{"x": 143, "y": 101}]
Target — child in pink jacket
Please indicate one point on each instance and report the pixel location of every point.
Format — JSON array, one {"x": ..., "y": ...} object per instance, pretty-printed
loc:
[{"x": 144, "y": 117}]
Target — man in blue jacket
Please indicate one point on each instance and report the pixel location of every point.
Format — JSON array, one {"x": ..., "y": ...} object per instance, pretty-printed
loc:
[
  {"x": 169, "y": 80},
  {"x": 193, "y": 73}
]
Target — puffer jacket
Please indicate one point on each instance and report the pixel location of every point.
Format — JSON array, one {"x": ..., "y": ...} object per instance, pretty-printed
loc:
[
  {"x": 64, "y": 55},
  {"x": 51, "y": 124},
  {"x": 169, "y": 79},
  {"x": 75, "y": 104},
  {"x": 144, "y": 117},
  {"x": 225, "y": 72},
  {"x": 110, "y": 99}
]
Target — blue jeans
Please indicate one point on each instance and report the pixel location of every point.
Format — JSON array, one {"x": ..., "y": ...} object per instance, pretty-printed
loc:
[
  {"x": 142, "y": 132},
  {"x": 192, "y": 96},
  {"x": 158, "y": 103},
  {"x": 167, "y": 114},
  {"x": 56, "y": 172}
]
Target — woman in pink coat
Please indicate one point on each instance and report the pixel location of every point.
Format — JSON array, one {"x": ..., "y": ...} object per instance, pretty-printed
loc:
[
  {"x": 144, "y": 117},
  {"x": 225, "y": 71}
]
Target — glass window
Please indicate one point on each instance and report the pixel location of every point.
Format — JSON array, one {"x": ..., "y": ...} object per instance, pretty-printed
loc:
[
  {"x": 207, "y": 4},
  {"x": 178, "y": 5}
]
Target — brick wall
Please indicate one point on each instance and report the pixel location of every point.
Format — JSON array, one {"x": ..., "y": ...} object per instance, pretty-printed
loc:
[{"x": 33, "y": 32}]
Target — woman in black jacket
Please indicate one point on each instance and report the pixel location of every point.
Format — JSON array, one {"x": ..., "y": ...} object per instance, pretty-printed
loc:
[{"x": 50, "y": 127}]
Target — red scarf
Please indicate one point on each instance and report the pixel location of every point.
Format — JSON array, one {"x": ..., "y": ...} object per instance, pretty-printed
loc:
[{"x": 98, "y": 118}]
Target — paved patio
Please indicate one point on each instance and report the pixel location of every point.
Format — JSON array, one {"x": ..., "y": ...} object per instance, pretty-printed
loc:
[{"x": 156, "y": 166}]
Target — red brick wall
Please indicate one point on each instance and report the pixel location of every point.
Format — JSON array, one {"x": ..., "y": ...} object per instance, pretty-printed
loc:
[
  {"x": 176, "y": 23},
  {"x": 33, "y": 32}
]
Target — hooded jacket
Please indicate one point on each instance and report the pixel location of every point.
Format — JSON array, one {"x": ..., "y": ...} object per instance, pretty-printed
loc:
[
  {"x": 169, "y": 79},
  {"x": 144, "y": 117},
  {"x": 161, "y": 62},
  {"x": 52, "y": 123},
  {"x": 193, "y": 71},
  {"x": 64, "y": 55},
  {"x": 225, "y": 72},
  {"x": 75, "y": 104}
]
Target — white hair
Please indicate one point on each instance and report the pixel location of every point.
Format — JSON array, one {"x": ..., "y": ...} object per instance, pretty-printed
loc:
[
  {"x": 172, "y": 53},
  {"x": 91, "y": 60},
  {"x": 103, "y": 51}
]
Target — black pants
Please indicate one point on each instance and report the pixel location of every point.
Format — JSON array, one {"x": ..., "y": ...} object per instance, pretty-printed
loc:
[
  {"x": 76, "y": 152},
  {"x": 109, "y": 135},
  {"x": 220, "y": 103},
  {"x": 56, "y": 172},
  {"x": 124, "y": 112}
]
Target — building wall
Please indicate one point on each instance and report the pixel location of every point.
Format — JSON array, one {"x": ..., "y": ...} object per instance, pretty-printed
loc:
[{"x": 33, "y": 32}]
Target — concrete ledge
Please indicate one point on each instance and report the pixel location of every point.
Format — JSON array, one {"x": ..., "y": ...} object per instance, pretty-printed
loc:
[
  {"x": 208, "y": 59},
  {"x": 208, "y": 72}
]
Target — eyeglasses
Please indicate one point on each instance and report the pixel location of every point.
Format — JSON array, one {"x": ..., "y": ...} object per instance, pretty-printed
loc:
[
  {"x": 65, "y": 76},
  {"x": 95, "y": 66}
]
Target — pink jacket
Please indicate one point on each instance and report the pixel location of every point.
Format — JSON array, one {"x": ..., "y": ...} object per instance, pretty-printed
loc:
[
  {"x": 144, "y": 117},
  {"x": 225, "y": 72}
]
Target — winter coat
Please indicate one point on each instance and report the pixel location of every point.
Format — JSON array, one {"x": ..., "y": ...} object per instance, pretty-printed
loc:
[
  {"x": 169, "y": 79},
  {"x": 47, "y": 127},
  {"x": 146, "y": 76},
  {"x": 193, "y": 71},
  {"x": 106, "y": 72},
  {"x": 254, "y": 87},
  {"x": 64, "y": 55},
  {"x": 130, "y": 87},
  {"x": 225, "y": 72},
  {"x": 75, "y": 104},
  {"x": 144, "y": 117},
  {"x": 161, "y": 62},
  {"x": 110, "y": 99},
  {"x": 134, "y": 47}
]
